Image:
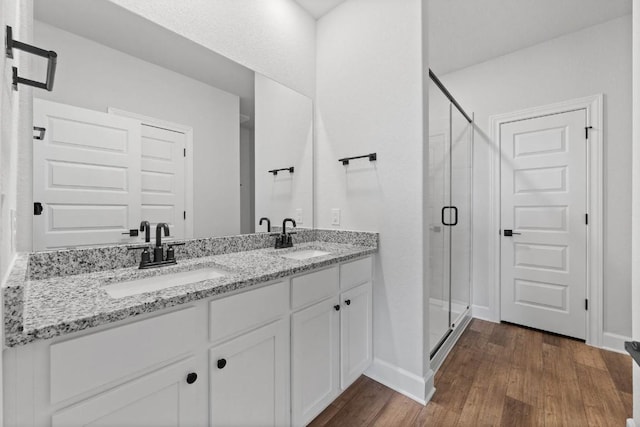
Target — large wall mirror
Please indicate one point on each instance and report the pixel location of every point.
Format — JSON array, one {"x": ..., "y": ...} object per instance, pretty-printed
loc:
[{"x": 145, "y": 125}]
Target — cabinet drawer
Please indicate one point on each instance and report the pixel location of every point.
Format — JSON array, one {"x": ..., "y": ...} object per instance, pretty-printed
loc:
[
  {"x": 82, "y": 364},
  {"x": 314, "y": 287},
  {"x": 355, "y": 273},
  {"x": 233, "y": 315},
  {"x": 160, "y": 398}
]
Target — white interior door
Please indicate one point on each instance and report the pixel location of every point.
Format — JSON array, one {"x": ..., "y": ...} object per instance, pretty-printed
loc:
[
  {"x": 86, "y": 174},
  {"x": 163, "y": 178},
  {"x": 544, "y": 203}
]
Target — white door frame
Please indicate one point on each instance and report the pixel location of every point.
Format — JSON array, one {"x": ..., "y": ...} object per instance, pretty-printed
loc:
[
  {"x": 188, "y": 181},
  {"x": 593, "y": 105}
]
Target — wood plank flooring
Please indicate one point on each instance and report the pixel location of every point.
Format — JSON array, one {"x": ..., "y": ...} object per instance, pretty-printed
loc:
[{"x": 502, "y": 375}]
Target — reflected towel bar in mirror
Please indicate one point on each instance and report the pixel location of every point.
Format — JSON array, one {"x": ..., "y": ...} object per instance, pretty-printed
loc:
[
  {"x": 372, "y": 158},
  {"x": 275, "y": 171}
]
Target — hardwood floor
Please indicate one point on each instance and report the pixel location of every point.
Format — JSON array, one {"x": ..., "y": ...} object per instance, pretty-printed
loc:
[{"x": 502, "y": 375}]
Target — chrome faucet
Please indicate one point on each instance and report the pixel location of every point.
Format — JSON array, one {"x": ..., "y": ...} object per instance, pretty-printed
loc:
[{"x": 284, "y": 240}]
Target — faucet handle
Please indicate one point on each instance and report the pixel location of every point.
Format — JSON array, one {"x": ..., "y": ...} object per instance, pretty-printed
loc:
[
  {"x": 131, "y": 248},
  {"x": 145, "y": 257},
  {"x": 171, "y": 253}
]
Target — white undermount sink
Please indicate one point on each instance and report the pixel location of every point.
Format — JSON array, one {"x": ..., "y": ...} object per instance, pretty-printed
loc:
[
  {"x": 304, "y": 254},
  {"x": 162, "y": 281}
]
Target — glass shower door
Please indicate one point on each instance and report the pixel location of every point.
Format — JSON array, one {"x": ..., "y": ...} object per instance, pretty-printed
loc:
[
  {"x": 461, "y": 190},
  {"x": 439, "y": 197}
]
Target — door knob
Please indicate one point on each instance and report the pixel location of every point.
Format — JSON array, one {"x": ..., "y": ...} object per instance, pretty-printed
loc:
[
  {"x": 192, "y": 377},
  {"x": 509, "y": 233},
  {"x": 221, "y": 363},
  {"x": 337, "y": 307},
  {"x": 348, "y": 302}
]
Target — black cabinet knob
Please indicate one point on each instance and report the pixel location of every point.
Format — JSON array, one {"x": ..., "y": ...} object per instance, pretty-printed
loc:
[
  {"x": 348, "y": 302},
  {"x": 337, "y": 307},
  {"x": 191, "y": 377},
  {"x": 222, "y": 363}
]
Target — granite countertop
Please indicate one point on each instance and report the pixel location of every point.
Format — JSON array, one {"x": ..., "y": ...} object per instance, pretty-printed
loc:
[{"x": 49, "y": 307}]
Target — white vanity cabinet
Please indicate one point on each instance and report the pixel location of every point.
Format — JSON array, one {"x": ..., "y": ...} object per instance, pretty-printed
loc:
[
  {"x": 331, "y": 339},
  {"x": 272, "y": 355}
]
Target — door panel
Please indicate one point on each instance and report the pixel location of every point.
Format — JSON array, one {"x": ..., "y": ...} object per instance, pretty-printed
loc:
[
  {"x": 355, "y": 333},
  {"x": 315, "y": 360},
  {"x": 163, "y": 178},
  {"x": 543, "y": 198},
  {"x": 250, "y": 388},
  {"x": 86, "y": 175}
]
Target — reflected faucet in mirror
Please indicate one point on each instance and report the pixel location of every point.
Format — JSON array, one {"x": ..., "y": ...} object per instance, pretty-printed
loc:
[
  {"x": 144, "y": 226},
  {"x": 268, "y": 223},
  {"x": 284, "y": 240}
]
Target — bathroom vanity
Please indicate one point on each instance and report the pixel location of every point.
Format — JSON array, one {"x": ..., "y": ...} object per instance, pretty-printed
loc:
[{"x": 272, "y": 338}]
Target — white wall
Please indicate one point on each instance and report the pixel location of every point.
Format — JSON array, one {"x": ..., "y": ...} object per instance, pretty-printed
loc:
[
  {"x": 591, "y": 61},
  {"x": 275, "y": 37},
  {"x": 283, "y": 138},
  {"x": 15, "y": 135},
  {"x": 369, "y": 99},
  {"x": 635, "y": 225},
  {"x": 93, "y": 76}
]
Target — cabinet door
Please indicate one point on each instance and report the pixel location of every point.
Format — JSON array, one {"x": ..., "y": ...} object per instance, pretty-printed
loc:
[
  {"x": 161, "y": 398},
  {"x": 355, "y": 333},
  {"x": 315, "y": 359},
  {"x": 249, "y": 378}
]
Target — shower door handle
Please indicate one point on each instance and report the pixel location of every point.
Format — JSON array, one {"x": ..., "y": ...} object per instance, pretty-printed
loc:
[{"x": 455, "y": 211}]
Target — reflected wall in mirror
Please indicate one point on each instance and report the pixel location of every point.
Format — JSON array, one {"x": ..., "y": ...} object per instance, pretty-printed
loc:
[
  {"x": 145, "y": 125},
  {"x": 283, "y": 153}
]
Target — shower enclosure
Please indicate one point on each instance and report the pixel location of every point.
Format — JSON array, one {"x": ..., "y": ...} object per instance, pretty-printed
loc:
[{"x": 450, "y": 191}]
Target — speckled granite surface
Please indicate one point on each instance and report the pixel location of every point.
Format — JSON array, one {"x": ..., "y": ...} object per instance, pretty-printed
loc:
[
  {"x": 64, "y": 262},
  {"x": 41, "y": 306}
]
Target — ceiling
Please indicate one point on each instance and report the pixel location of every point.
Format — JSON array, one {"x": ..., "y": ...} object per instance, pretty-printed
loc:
[
  {"x": 317, "y": 8},
  {"x": 463, "y": 32},
  {"x": 117, "y": 28}
]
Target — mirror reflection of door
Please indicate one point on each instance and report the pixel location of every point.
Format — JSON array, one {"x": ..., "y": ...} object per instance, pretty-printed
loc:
[{"x": 98, "y": 174}]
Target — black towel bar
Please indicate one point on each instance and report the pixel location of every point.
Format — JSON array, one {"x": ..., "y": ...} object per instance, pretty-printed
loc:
[
  {"x": 275, "y": 171},
  {"x": 51, "y": 56},
  {"x": 372, "y": 158}
]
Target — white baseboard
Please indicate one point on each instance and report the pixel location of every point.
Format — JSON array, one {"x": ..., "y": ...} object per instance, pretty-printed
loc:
[
  {"x": 404, "y": 382},
  {"x": 630, "y": 422},
  {"x": 483, "y": 313},
  {"x": 614, "y": 342}
]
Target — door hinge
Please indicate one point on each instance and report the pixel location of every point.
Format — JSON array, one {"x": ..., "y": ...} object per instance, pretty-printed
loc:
[
  {"x": 37, "y": 208},
  {"x": 586, "y": 219},
  {"x": 586, "y": 304},
  {"x": 184, "y": 214},
  {"x": 586, "y": 131}
]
